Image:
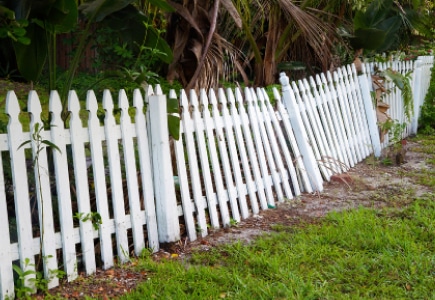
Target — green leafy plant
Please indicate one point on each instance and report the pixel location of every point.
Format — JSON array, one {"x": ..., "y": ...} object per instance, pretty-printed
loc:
[
  {"x": 94, "y": 217},
  {"x": 21, "y": 289},
  {"x": 427, "y": 117},
  {"x": 403, "y": 82}
]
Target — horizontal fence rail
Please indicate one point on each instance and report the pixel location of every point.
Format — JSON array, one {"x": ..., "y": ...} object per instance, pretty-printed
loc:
[{"x": 109, "y": 181}]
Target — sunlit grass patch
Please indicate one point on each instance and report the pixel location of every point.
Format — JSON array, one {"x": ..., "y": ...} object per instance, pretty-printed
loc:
[{"x": 363, "y": 253}]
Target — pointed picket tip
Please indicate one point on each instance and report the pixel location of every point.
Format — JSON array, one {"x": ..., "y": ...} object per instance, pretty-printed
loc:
[
  {"x": 123, "y": 101},
  {"x": 265, "y": 95},
  {"x": 212, "y": 97},
  {"x": 149, "y": 90},
  {"x": 107, "y": 102},
  {"x": 172, "y": 94},
  {"x": 295, "y": 87},
  {"x": 312, "y": 81},
  {"x": 221, "y": 97},
  {"x": 34, "y": 105},
  {"x": 73, "y": 102},
  {"x": 239, "y": 96},
  {"x": 137, "y": 100},
  {"x": 91, "y": 102},
  {"x": 12, "y": 105},
  {"x": 276, "y": 94},
  {"x": 329, "y": 76},
  {"x": 54, "y": 104},
  {"x": 259, "y": 94},
  {"x": 203, "y": 97},
  {"x": 193, "y": 98},
  {"x": 158, "y": 90},
  {"x": 230, "y": 96},
  {"x": 305, "y": 85},
  {"x": 248, "y": 96},
  {"x": 183, "y": 99}
]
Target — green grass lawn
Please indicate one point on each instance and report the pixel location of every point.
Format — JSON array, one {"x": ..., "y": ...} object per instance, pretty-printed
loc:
[{"x": 360, "y": 254}]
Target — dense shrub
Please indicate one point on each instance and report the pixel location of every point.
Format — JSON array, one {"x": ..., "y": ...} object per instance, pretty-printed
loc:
[{"x": 427, "y": 117}]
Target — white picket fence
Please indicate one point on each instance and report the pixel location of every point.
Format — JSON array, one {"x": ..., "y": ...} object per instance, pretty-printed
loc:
[{"x": 237, "y": 155}]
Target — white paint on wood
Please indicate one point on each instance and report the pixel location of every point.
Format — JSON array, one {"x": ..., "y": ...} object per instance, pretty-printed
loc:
[
  {"x": 42, "y": 189},
  {"x": 204, "y": 160},
  {"x": 21, "y": 189},
  {"x": 114, "y": 161},
  {"x": 81, "y": 183},
  {"x": 256, "y": 135},
  {"x": 244, "y": 160},
  {"x": 301, "y": 171},
  {"x": 222, "y": 195},
  {"x": 282, "y": 150},
  {"x": 164, "y": 188},
  {"x": 252, "y": 155},
  {"x": 6, "y": 271},
  {"x": 99, "y": 175},
  {"x": 127, "y": 132},
  {"x": 61, "y": 168},
  {"x": 223, "y": 153},
  {"x": 281, "y": 175},
  {"x": 146, "y": 171},
  {"x": 193, "y": 165},
  {"x": 234, "y": 158}
]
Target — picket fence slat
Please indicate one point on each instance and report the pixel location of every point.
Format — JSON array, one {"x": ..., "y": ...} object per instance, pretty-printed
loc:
[
  {"x": 276, "y": 129},
  {"x": 131, "y": 174},
  {"x": 360, "y": 113},
  {"x": 145, "y": 171},
  {"x": 100, "y": 185},
  {"x": 193, "y": 165},
  {"x": 301, "y": 170},
  {"x": 255, "y": 130},
  {"x": 203, "y": 160},
  {"x": 337, "y": 160},
  {"x": 117, "y": 192},
  {"x": 218, "y": 121},
  {"x": 81, "y": 183},
  {"x": 318, "y": 132},
  {"x": 43, "y": 193},
  {"x": 21, "y": 190},
  {"x": 236, "y": 155},
  {"x": 233, "y": 157},
  {"x": 246, "y": 166},
  {"x": 60, "y": 162},
  {"x": 222, "y": 195},
  {"x": 6, "y": 271},
  {"x": 282, "y": 178},
  {"x": 257, "y": 186}
]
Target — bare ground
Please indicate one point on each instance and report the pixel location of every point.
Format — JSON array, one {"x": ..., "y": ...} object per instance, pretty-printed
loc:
[{"x": 369, "y": 184}]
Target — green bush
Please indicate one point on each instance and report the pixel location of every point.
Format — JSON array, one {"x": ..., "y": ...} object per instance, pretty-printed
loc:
[{"x": 427, "y": 118}]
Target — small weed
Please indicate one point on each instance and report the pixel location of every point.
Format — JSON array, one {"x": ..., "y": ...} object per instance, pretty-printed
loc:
[
  {"x": 233, "y": 223},
  {"x": 94, "y": 217}
]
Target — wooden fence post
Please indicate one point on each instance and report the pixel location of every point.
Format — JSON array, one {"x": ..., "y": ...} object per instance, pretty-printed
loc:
[
  {"x": 370, "y": 113},
  {"x": 310, "y": 162},
  {"x": 164, "y": 188}
]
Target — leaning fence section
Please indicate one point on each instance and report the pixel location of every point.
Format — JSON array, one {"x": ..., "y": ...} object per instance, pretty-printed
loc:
[
  {"x": 329, "y": 110},
  {"x": 233, "y": 158}
]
